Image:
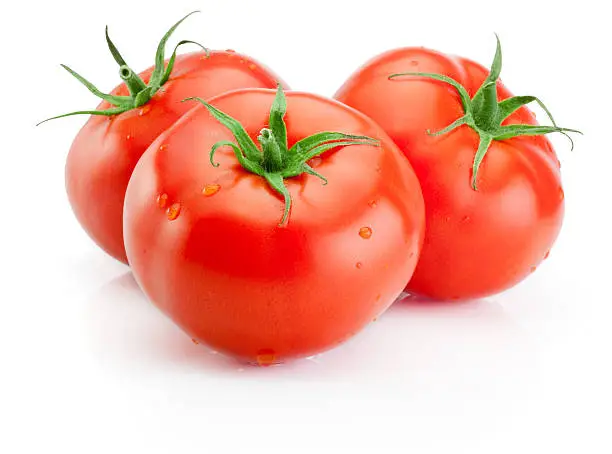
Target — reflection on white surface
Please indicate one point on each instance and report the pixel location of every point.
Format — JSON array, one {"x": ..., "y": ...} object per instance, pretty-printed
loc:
[{"x": 414, "y": 339}]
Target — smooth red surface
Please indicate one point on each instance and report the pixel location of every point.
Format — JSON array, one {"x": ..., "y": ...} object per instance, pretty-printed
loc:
[
  {"x": 477, "y": 243},
  {"x": 229, "y": 275},
  {"x": 106, "y": 149}
]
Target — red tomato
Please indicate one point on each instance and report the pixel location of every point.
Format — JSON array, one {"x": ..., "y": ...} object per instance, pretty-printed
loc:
[
  {"x": 205, "y": 243},
  {"x": 107, "y": 148},
  {"x": 488, "y": 227}
]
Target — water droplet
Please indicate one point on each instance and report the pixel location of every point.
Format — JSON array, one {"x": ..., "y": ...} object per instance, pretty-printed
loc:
[
  {"x": 145, "y": 110},
  {"x": 163, "y": 147},
  {"x": 195, "y": 341},
  {"x": 316, "y": 161},
  {"x": 533, "y": 268},
  {"x": 210, "y": 189},
  {"x": 378, "y": 297},
  {"x": 266, "y": 357},
  {"x": 358, "y": 265},
  {"x": 465, "y": 219},
  {"x": 365, "y": 233},
  {"x": 547, "y": 255},
  {"x": 230, "y": 51},
  {"x": 252, "y": 66},
  {"x": 173, "y": 211},
  {"x": 162, "y": 200},
  {"x": 128, "y": 137},
  {"x": 372, "y": 204},
  {"x": 561, "y": 194},
  {"x": 447, "y": 218},
  {"x": 414, "y": 63}
]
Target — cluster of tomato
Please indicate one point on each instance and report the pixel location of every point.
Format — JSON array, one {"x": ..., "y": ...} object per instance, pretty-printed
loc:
[{"x": 272, "y": 225}]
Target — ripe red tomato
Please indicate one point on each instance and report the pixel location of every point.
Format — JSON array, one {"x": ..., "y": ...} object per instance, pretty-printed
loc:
[
  {"x": 490, "y": 223},
  {"x": 105, "y": 151},
  {"x": 206, "y": 246}
]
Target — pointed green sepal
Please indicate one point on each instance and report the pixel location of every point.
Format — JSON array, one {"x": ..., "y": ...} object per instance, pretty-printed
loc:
[
  {"x": 485, "y": 115},
  {"x": 140, "y": 93},
  {"x": 275, "y": 161}
]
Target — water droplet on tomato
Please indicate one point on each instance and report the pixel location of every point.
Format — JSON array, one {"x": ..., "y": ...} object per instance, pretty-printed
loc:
[
  {"x": 266, "y": 357},
  {"x": 315, "y": 162},
  {"x": 561, "y": 194},
  {"x": 210, "y": 189},
  {"x": 128, "y": 137},
  {"x": 358, "y": 265},
  {"x": 547, "y": 255},
  {"x": 162, "y": 200},
  {"x": 378, "y": 297},
  {"x": 533, "y": 268},
  {"x": 163, "y": 147},
  {"x": 365, "y": 233},
  {"x": 145, "y": 110},
  {"x": 195, "y": 341},
  {"x": 372, "y": 204},
  {"x": 252, "y": 66},
  {"x": 173, "y": 211},
  {"x": 447, "y": 218},
  {"x": 466, "y": 219}
]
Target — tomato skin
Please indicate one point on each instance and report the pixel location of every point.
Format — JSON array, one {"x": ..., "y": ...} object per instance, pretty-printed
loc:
[
  {"x": 229, "y": 275},
  {"x": 106, "y": 150},
  {"x": 477, "y": 243}
]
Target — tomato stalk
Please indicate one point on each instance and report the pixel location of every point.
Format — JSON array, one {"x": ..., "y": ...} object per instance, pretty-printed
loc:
[
  {"x": 485, "y": 115},
  {"x": 140, "y": 92},
  {"x": 275, "y": 161}
]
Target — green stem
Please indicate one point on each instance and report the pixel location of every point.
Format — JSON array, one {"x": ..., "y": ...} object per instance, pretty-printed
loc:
[
  {"x": 484, "y": 114},
  {"x": 279, "y": 162},
  {"x": 133, "y": 81}
]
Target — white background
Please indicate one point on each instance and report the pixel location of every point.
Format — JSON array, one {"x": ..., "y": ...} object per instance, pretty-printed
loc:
[{"x": 89, "y": 366}]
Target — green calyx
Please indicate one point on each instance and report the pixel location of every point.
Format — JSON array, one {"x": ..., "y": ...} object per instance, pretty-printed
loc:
[
  {"x": 140, "y": 93},
  {"x": 273, "y": 160},
  {"x": 485, "y": 115}
]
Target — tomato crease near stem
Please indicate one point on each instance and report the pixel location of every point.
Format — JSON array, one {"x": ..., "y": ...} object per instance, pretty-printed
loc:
[
  {"x": 128, "y": 119},
  {"x": 297, "y": 221},
  {"x": 490, "y": 179}
]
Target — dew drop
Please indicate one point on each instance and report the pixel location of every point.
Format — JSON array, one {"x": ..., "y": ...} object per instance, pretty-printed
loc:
[
  {"x": 365, "y": 233},
  {"x": 145, "y": 110},
  {"x": 266, "y": 357},
  {"x": 547, "y": 255},
  {"x": 162, "y": 200},
  {"x": 465, "y": 219},
  {"x": 358, "y": 265},
  {"x": 252, "y": 66},
  {"x": 316, "y": 161},
  {"x": 447, "y": 219},
  {"x": 195, "y": 341},
  {"x": 128, "y": 137},
  {"x": 210, "y": 189},
  {"x": 163, "y": 147},
  {"x": 372, "y": 204},
  {"x": 173, "y": 211}
]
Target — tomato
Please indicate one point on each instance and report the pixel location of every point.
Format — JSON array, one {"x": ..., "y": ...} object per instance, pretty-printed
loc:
[
  {"x": 493, "y": 193},
  {"x": 250, "y": 250},
  {"x": 105, "y": 151}
]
